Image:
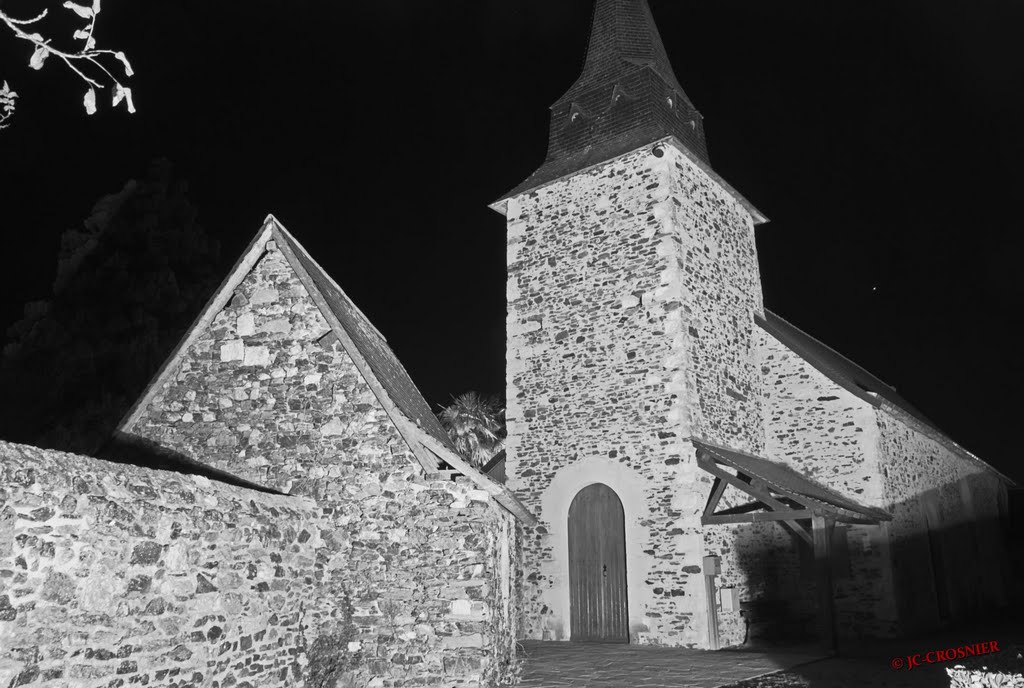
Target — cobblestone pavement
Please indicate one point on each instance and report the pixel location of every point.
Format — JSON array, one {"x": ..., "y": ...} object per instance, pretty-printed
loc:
[
  {"x": 860, "y": 664},
  {"x": 871, "y": 663},
  {"x": 598, "y": 665}
]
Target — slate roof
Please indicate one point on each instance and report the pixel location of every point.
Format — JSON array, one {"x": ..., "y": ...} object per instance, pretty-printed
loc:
[
  {"x": 368, "y": 349},
  {"x": 626, "y": 96},
  {"x": 833, "y": 365},
  {"x": 855, "y": 379},
  {"x": 367, "y": 340},
  {"x": 386, "y": 367},
  {"x": 787, "y": 480}
]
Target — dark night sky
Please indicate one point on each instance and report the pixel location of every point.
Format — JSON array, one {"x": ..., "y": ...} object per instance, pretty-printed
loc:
[{"x": 883, "y": 140}]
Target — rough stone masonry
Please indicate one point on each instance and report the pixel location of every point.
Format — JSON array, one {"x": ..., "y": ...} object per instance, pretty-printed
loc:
[
  {"x": 369, "y": 570},
  {"x": 631, "y": 292}
]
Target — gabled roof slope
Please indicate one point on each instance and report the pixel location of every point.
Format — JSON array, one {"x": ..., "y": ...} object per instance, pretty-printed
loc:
[
  {"x": 371, "y": 344},
  {"x": 853, "y": 378},
  {"x": 365, "y": 345},
  {"x": 833, "y": 365}
]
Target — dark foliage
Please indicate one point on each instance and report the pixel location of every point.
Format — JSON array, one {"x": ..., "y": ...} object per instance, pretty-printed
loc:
[{"x": 128, "y": 284}]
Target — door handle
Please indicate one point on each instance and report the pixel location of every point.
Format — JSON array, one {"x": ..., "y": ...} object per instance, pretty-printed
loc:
[{"x": 604, "y": 570}]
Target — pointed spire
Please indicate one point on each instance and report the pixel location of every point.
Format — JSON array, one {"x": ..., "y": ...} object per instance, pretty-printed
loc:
[
  {"x": 622, "y": 35},
  {"x": 627, "y": 96}
]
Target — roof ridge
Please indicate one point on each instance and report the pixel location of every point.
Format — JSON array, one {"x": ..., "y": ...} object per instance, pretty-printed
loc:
[
  {"x": 291, "y": 237},
  {"x": 887, "y": 398}
]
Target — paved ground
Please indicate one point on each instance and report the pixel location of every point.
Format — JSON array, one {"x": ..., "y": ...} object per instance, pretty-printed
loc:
[
  {"x": 872, "y": 663},
  {"x": 594, "y": 665},
  {"x": 590, "y": 665}
]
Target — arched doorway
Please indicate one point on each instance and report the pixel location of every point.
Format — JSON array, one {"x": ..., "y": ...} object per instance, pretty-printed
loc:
[{"x": 597, "y": 566}]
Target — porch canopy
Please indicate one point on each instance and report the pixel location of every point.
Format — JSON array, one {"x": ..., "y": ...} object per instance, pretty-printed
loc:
[{"x": 780, "y": 493}]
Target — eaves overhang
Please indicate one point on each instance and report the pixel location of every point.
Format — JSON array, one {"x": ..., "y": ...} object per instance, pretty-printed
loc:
[{"x": 548, "y": 174}]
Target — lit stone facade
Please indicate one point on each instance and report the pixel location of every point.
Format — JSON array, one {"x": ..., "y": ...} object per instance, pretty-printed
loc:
[
  {"x": 633, "y": 304},
  {"x": 886, "y": 458},
  {"x": 631, "y": 294}
]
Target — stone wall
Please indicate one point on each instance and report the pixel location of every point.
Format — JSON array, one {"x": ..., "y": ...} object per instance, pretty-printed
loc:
[
  {"x": 265, "y": 392},
  {"x": 946, "y": 515},
  {"x": 819, "y": 428},
  {"x": 631, "y": 293},
  {"x": 112, "y": 575}
]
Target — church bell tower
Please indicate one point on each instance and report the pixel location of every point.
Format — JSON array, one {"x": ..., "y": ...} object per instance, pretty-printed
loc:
[{"x": 632, "y": 289}]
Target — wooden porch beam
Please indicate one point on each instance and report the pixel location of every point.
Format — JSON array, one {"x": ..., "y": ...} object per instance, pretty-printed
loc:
[
  {"x": 716, "y": 494},
  {"x": 741, "y": 509},
  {"x": 799, "y": 531},
  {"x": 709, "y": 465},
  {"x": 761, "y": 516},
  {"x": 762, "y": 495},
  {"x": 822, "y": 531}
]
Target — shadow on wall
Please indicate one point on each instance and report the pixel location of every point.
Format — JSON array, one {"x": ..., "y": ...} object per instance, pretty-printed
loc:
[
  {"x": 886, "y": 662},
  {"x": 138, "y": 451},
  {"x": 780, "y": 608},
  {"x": 944, "y": 569}
]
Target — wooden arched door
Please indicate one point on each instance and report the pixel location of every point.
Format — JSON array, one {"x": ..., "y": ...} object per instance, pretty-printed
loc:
[{"x": 597, "y": 566}]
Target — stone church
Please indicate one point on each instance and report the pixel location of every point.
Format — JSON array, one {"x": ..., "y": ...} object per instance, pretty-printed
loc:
[
  {"x": 683, "y": 467},
  {"x": 704, "y": 472}
]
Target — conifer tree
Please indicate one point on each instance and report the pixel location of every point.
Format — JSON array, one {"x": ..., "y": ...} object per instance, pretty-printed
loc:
[{"x": 128, "y": 284}]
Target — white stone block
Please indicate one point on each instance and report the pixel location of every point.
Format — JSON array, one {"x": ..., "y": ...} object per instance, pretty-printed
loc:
[
  {"x": 246, "y": 325},
  {"x": 461, "y": 608},
  {"x": 276, "y": 326},
  {"x": 232, "y": 351},
  {"x": 257, "y": 356},
  {"x": 265, "y": 295},
  {"x": 333, "y": 427}
]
